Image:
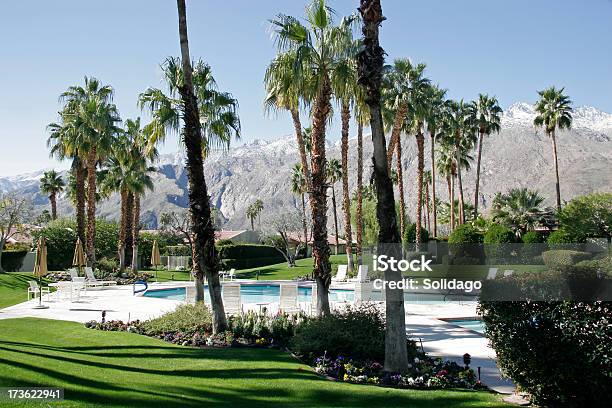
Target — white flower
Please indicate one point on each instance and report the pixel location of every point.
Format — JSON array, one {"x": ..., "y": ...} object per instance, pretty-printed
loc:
[{"x": 416, "y": 360}]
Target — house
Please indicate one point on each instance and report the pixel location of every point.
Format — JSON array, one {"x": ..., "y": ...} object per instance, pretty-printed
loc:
[
  {"x": 296, "y": 239},
  {"x": 240, "y": 236}
]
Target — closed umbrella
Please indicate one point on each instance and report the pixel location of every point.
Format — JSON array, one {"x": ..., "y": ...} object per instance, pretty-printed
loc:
[
  {"x": 155, "y": 257},
  {"x": 40, "y": 268},
  {"x": 79, "y": 255}
]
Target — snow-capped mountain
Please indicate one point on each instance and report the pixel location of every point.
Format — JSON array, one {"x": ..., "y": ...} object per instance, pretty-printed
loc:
[{"x": 519, "y": 156}]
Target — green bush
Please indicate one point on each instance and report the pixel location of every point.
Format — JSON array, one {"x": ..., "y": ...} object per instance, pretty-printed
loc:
[
  {"x": 145, "y": 245},
  {"x": 106, "y": 268},
  {"x": 176, "y": 250},
  {"x": 465, "y": 242},
  {"x": 532, "y": 248},
  {"x": 602, "y": 264},
  {"x": 357, "y": 332},
  {"x": 563, "y": 257},
  {"x": 243, "y": 256},
  {"x": 13, "y": 260},
  {"x": 533, "y": 237},
  {"x": 558, "y": 352},
  {"x": 277, "y": 329},
  {"x": 187, "y": 319},
  {"x": 499, "y": 234},
  {"x": 563, "y": 237},
  {"x": 410, "y": 234},
  {"x": 498, "y": 244}
]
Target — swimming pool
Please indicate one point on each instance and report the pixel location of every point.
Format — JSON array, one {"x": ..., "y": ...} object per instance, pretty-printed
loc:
[
  {"x": 476, "y": 325},
  {"x": 270, "y": 293}
]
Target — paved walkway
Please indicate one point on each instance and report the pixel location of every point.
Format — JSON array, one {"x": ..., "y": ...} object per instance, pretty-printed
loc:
[{"x": 439, "y": 338}]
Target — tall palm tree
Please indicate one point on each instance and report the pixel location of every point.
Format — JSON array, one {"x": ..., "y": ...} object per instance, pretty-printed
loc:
[
  {"x": 335, "y": 173},
  {"x": 554, "y": 111},
  {"x": 299, "y": 187},
  {"x": 52, "y": 184},
  {"x": 370, "y": 66},
  {"x": 426, "y": 183},
  {"x": 486, "y": 114},
  {"x": 320, "y": 49},
  {"x": 435, "y": 117},
  {"x": 344, "y": 82},
  {"x": 361, "y": 117},
  {"x": 95, "y": 119},
  {"x": 253, "y": 211}
]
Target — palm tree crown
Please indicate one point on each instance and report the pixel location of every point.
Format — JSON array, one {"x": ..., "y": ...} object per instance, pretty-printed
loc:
[{"x": 554, "y": 110}]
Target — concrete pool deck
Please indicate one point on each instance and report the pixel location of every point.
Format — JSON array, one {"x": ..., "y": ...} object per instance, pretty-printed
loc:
[{"x": 439, "y": 338}]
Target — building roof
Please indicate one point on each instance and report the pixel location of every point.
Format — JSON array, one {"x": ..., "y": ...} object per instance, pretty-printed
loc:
[
  {"x": 227, "y": 234},
  {"x": 297, "y": 238}
]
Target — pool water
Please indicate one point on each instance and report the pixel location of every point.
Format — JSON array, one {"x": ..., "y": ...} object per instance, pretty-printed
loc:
[
  {"x": 476, "y": 325},
  {"x": 270, "y": 293}
]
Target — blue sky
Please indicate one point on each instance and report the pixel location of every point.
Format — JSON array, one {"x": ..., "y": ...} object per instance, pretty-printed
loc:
[{"x": 507, "y": 48}]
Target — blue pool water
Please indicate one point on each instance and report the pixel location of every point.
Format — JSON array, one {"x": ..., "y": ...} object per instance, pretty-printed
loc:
[
  {"x": 470, "y": 324},
  {"x": 270, "y": 293}
]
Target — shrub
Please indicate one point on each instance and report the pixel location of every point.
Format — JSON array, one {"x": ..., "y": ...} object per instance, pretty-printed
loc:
[
  {"x": 563, "y": 236},
  {"x": 13, "y": 260},
  {"x": 498, "y": 244},
  {"x": 262, "y": 328},
  {"x": 357, "y": 332},
  {"x": 464, "y": 242},
  {"x": 532, "y": 248},
  {"x": 410, "y": 234},
  {"x": 532, "y": 237},
  {"x": 188, "y": 319},
  {"x": 563, "y": 257},
  {"x": 556, "y": 351},
  {"x": 106, "y": 268},
  {"x": 602, "y": 264},
  {"x": 242, "y": 256},
  {"x": 164, "y": 239}
]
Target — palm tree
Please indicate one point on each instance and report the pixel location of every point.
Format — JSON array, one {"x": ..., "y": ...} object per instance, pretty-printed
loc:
[
  {"x": 370, "y": 66},
  {"x": 361, "y": 115},
  {"x": 486, "y": 114},
  {"x": 299, "y": 187},
  {"x": 435, "y": 117},
  {"x": 426, "y": 183},
  {"x": 335, "y": 173},
  {"x": 450, "y": 160},
  {"x": 94, "y": 117},
  {"x": 253, "y": 211},
  {"x": 319, "y": 50},
  {"x": 344, "y": 84},
  {"x": 520, "y": 209},
  {"x": 554, "y": 111},
  {"x": 52, "y": 184}
]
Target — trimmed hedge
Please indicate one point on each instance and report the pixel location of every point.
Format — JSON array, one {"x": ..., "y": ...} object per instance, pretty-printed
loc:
[
  {"x": 244, "y": 256},
  {"x": 498, "y": 242},
  {"x": 564, "y": 257},
  {"x": 465, "y": 246},
  {"x": 13, "y": 260},
  {"x": 410, "y": 234}
]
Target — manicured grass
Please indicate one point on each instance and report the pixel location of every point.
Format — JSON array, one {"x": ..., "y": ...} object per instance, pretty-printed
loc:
[
  {"x": 14, "y": 287},
  {"x": 111, "y": 369},
  {"x": 283, "y": 272}
]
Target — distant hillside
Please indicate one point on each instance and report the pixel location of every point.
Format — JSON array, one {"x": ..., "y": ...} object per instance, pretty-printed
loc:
[{"x": 519, "y": 156}]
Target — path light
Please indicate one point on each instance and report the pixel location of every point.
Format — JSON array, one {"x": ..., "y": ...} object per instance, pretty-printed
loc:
[{"x": 467, "y": 359}]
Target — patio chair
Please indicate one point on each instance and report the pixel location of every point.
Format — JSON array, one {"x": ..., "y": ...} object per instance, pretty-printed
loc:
[
  {"x": 231, "y": 274},
  {"x": 492, "y": 273},
  {"x": 231, "y": 299},
  {"x": 92, "y": 282},
  {"x": 341, "y": 274},
  {"x": 73, "y": 273},
  {"x": 362, "y": 274},
  {"x": 78, "y": 285},
  {"x": 289, "y": 298},
  {"x": 34, "y": 290}
]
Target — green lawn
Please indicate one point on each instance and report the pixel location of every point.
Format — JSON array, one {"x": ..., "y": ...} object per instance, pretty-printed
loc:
[
  {"x": 111, "y": 369},
  {"x": 282, "y": 271},
  {"x": 14, "y": 287}
]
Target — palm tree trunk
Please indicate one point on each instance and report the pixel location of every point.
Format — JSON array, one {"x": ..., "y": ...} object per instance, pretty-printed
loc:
[
  {"x": 433, "y": 184},
  {"x": 1, "y": 250},
  {"x": 420, "y": 139},
  {"x": 346, "y": 202},
  {"x": 555, "y": 158},
  {"x": 53, "y": 200},
  {"x": 252, "y": 223},
  {"x": 129, "y": 218},
  {"x": 359, "y": 210},
  {"x": 318, "y": 196},
  {"x": 79, "y": 175},
  {"x": 297, "y": 125},
  {"x": 480, "y": 140},
  {"x": 92, "y": 161},
  {"x": 461, "y": 201},
  {"x": 304, "y": 225},
  {"x": 396, "y": 131},
  {"x": 370, "y": 63},
  {"x": 201, "y": 222},
  {"x": 122, "y": 229},
  {"x": 400, "y": 186},
  {"x": 452, "y": 201},
  {"x": 335, "y": 217},
  {"x": 135, "y": 233},
  {"x": 427, "y": 208}
]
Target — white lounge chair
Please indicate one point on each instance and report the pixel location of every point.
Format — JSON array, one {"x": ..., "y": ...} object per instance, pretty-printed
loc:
[
  {"x": 341, "y": 274},
  {"x": 73, "y": 273},
  {"x": 231, "y": 299},
  {"x": 289, "y": 298},
  {"x": 314, "y": 298},
  {"x": 92, "y": 282},
  {"x": 492, "y": 273},
  {"x": 362, "y": 275},
  {"x": 231, "y": 274},
  {"x": 34, "y": 290}
]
